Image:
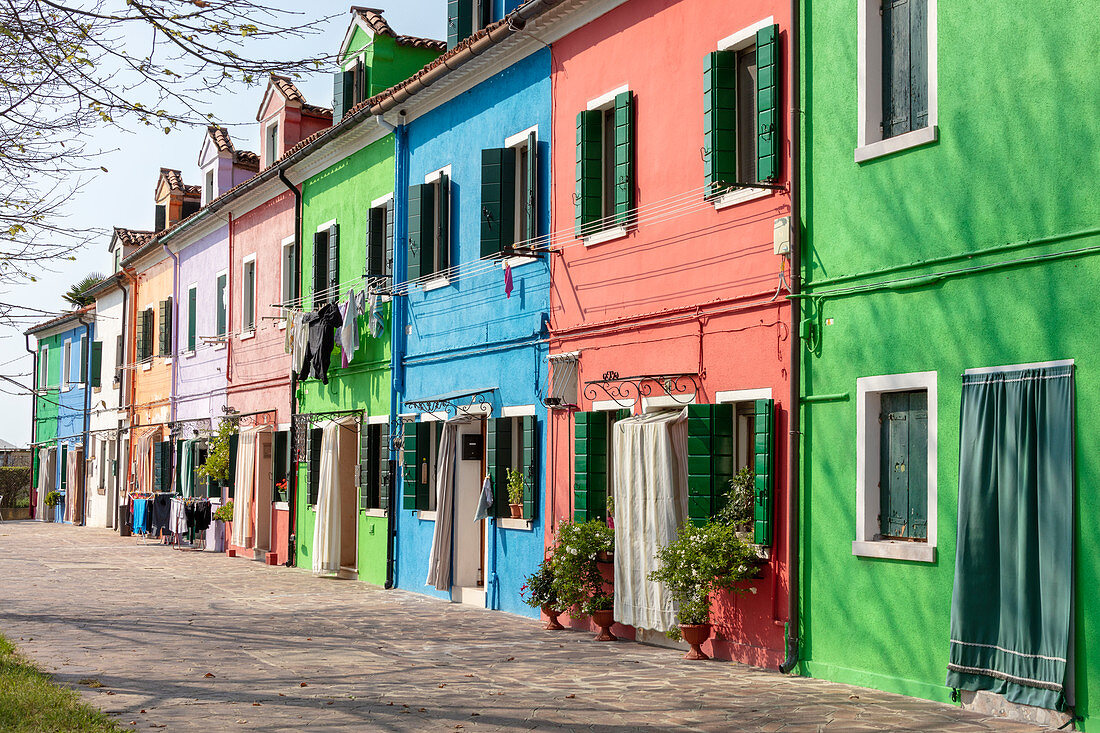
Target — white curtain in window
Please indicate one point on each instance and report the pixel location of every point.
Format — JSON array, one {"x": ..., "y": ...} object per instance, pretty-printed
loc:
[
  {"x": 242, "y": 484},
  {"x": 326, "y": 522},
  {"x": 649, "y": 455},
  {"x": 439, "y": 560}
]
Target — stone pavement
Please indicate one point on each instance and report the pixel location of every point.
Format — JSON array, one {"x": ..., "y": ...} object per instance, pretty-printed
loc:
[{"x": 187, "y": 641}]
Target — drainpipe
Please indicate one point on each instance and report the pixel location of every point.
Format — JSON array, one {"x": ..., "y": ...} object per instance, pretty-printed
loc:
[
  {"x": 86, "y": 366},
  {"x": 172, "y": 353},
  {"x": 34, "y": 415},
  {"x": 121, "y": 403},
  {"x": 292, "y": 476},
  {"x": 794, "y": 407}
]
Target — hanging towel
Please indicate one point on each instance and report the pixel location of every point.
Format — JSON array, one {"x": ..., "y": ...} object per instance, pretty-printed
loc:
[
  {"x": 300, "y": 340},
  {"x": 349, "y": 331},
  {"x": 485, "y": 503},
  {"x": 288, "y": 334},
  {"x": 374, "y": 317},
  {"x": 507, "y": 280}
]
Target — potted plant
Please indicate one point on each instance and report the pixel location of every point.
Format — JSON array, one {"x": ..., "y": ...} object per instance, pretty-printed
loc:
[
  {"x": 53, "y": 499},
  {"x": 515, "y": 493},
  {"x": 216, "y": 467},
  {"x": 699, "y": 562},
  {"x": 224, "y": 514},
  {"x": 538, "y": 592},
  {"x": 577, "y": 580},
  {"x": 740, "y": 503}
]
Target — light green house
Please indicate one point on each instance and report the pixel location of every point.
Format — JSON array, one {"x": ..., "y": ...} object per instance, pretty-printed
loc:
[{"x": 951, "y": 245}]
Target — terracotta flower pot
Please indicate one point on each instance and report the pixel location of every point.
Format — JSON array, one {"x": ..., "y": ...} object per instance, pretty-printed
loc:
[
  {"x": 604, "y": 619},
  {"x": 695, "y": 635},
  {"x": 605, "y": 556},
  {"x": 517, "y": 510},
  {"x": 552, "y": 624}
]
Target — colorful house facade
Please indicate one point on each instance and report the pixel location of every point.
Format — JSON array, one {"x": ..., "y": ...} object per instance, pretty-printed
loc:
[{"x": 944, "y": 331}]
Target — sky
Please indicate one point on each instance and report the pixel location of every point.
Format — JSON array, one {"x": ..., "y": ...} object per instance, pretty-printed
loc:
[{"x": 123, "y": 196}]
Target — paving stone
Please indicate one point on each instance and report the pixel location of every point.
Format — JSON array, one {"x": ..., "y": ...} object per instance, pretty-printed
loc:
[{"x": 149, "y": 623}]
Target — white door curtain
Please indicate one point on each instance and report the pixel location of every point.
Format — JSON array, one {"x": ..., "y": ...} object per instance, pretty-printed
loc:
[
  {"x": 187, "y": 473},
  {"x": 649, "y": 459},
  {"x": 326, "y": 522},
  {"x": 439, "y": 559},
  {"x": 143, "y": 454},
  {"x": 45, "y": 481},
  {"x": 243, "y": 481}
]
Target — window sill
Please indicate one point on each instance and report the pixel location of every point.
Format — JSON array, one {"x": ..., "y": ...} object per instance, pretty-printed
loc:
[
  {"x": 426, "y": 515},
  {"x": 247, "y": 335},
  {"x": 517, "y": 261},
  {"x": 509, "y": 523},
  {"x": 190, "y": 354},
  {"x": 893, "y": 550},
  {"x": 739, "y": 196},
  {"x": 436, "y": 284},
  {"x": 146, "y": 367},
  {"x": 895, "y": 144},
  {"x": 283, "y": 506},
  {"x": 281, "y": 325},
  {"x": 220, "y": 347},
  {"x": 374, "y": 512},
  {"x": 607, "y": 235}
]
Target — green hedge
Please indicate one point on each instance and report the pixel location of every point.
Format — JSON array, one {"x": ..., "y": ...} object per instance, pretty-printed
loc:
[{"x": 15, "y": 486}]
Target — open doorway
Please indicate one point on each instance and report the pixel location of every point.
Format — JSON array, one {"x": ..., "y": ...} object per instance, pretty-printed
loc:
[
  {"x": 262, "y": 484},
  {"x": 468, "y": 584}
]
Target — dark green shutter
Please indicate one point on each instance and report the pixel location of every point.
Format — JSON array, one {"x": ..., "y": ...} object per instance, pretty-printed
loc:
[
  {"x": 905, "y": 66},
  {"x": 158, "y": 467},
  {"x": 767, "y": 103},
  {"x": 160, "y": 220},
  {"x": 167, "y": 478},
  {"x": 388, "y": 262},
  {"x": 590, "y": 466},
  {"x": 903, "y": 464},
  {"x": 720, "y": 119},
  {"x": 588, "y": 194},
  {"x": 97, "y": 364},
  {"x": 150, "y": 327},
  {"x": 529, "y": 451},
  {"x": 119, "y": 354},
  {"x": 333, "y": 263},
  {"x": 410, "y": 466},
  {"x": 624, "y": 158},
  {"x": 421, "y": 230},
  {"x": 320, "y": 268},
  {"x": 192, "y": 310},
  {"x": 443, "y": 221},
  {"x": 179, "y": 467},
  {"x": 385, "y": 467},
  {"x": 367, "y": 451},
  {"x": 532, "y": 189},
  {"x": 460, "y": 21},
  {"x": 231, "y": 482},
  {"x": 424, "y": 476},
  {"x": 139, "y": 335},
  {"x": 710, "y": 459},
  {"x": 376, "y": 242},
  {"x": 222, "y": 306},
  {"x": 764, "y": 470},
  {"x": 498, "y": 205},
  {"x": 84, "y": 360},
  {"x": 498, "y": 459},
  {"x": 486, "y": 7},
  {"x": 314, "y": 465},
  {"x": 162, "y": 328}
]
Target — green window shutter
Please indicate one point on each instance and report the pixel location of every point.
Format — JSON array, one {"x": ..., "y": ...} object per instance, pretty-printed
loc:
[
  {"x": 532, "y": 188},
  {"x": 498, "y": 205},
  {"x": 158, "y": 467},
  {"x": 767, "y": 103},
  {"x": 84, "y": 355},
  {"x": 139, "y": 335},
  {"x": 423, "y": 461},
  {"x": 179, "y": 467},
  {"x": 162, "y": 328},
  {"x": 376, "y": 242},
  {"x": 720, "y": 118},
  {"x": 903, "y": 464},
  {"x": 498, "y": 458},
  {"x": 460, "y": 21},
  {"x": 421, "y": 230},
  {"x": 192, "y": 310},
  {"x": 443, "y": 221},
  {"x": 529, "y": 452},
  {"x": 367, "y": 451},
  {"x": 590, "y": 466},
  {"x": 764, "y": 470},
  {"x": 624, "y": 157},
  {"x": 904, "y": 66},
  {"x": 710, "y": 459},
  {"x": 410, "y": 467},
  {"x": 486, "y": 7},
  {"x": 333, "y": 263},
  {"x": 168, "y": 477},
  {"x": 385, "y": 466},
  {"x": 221, "y": 305},
  {"x": 588, "y": 194},
  {"x": 313, "y": 466},
  {"x": 231, "y": 482},
  {"x": 388, "y": 272},
  {"x": 348, "y": 82},
  {"x": 320, "y": 268},
  {"x": 97, "y": 364}
]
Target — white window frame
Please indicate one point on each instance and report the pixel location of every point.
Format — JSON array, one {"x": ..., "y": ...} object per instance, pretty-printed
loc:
[
  {"x": 868, "y": 399},
  {"x": 210, "y": 185},
  {"x": 739, "y": 41},
  {"x": 519, "y": 141},
  {"x": 284, "y": 296},
  {"x": 271, "y": 155},
  {"x": 67, "y": 365},
  {"x": 193, "y": 286},
  {"x": 81, "y": 366},
  {"x": 217, "y": 305},
  {"x": 737, "y": 397},
  {"x": 603, "y": 103},
  {"x": 245, "y": 262},
  {"x": 869, "y": 142},
  {"x": 443, "y": 280}
]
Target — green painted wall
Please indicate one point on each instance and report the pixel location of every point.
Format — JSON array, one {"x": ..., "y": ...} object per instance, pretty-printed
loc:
[
  {"x": 344, "y": 192},
  {"x": 1017, "y": 138},
  {"x": 389, "y": 62},
  {"x": 46, "y": 407}
]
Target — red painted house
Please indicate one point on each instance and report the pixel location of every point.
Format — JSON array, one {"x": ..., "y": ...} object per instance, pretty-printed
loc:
[{"x": 668, "y": 294}]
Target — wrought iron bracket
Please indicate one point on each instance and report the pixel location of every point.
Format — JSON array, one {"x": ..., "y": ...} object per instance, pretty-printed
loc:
[
  {"x": 303, "y": 421},
  {"x": 455, "y": 403},
  {"x": 682, "y": 388}
]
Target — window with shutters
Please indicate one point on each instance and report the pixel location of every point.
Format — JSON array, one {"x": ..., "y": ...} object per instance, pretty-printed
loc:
[
  {"x": 248, "y": 296},
  {"x": 209, "y": 191},
  {"x": 744, "y": 434},
  {"x": 192, "y": 317},
  {"x": 313, "y": 465},
  {"x": 164, "y": 327},
  {"x": 895, "y": 466},
  {"x": 418, "y": 464},
  {"x": 592, "y": 466},
  {"x": 271, "y": 143},
  {"x": 288, "y": 293},
  {"x": 380, "y": 226},
  {"x": 119, "y": 355},
  {"x": 741, "y": 116},
  {"x": 66, "y": 364},
  {"x": 509, "y": 178},
  {"x": 429, "y": 255},
  {"x": 326, "y": 264},
  {"x": 511, "y": 443},
  {"x": 375, "y": 467},
  {"x": 604, "y": 197},
  {"x": 280, "y": 466},
  {"x": 221, "y": 303},
  {"x": 897, "y": 76},
  {"x": 44, "y": 367},
  {"x": 466, "y": 17},
  {"x": 95, "y": 365},
  {"x": 83, "y": 366}
]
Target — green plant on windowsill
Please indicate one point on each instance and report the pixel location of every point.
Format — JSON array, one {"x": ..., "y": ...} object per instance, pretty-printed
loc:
[
  {"x": 516, "y": 485},
  {"x": 53, "y": 498},
  {"x": 577, "y": 581},
  {"x": 217, "y": 465},
  {"x": 225, "y": 512},
  {"x": 740, "y": 499}
]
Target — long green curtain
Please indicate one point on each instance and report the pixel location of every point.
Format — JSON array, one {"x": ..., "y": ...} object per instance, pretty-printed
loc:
[
  {"x": 1011, "y": 611},
  {"x": 186, "y": 472}
]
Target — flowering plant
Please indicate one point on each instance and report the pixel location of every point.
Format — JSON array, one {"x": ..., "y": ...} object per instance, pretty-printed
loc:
[
  {"x": 225, "y": 512},
  {"x": 538, "y": 591},
  {"x": 577, "y": 580}
]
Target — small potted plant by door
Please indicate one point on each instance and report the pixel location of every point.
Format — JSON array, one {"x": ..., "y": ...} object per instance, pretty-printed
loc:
[
  {"x": 698, "y": 563},
  {"x": 538, "y": 592},
  {"x": 224, "y": 514},
  {"x": 53, "y": 499},
  {"x": 577, "y": 580},
  {"x": 515, "y": 493}
]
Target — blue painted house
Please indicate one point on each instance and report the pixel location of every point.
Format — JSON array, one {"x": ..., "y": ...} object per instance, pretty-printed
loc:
[{"x": 470, "y": 370}]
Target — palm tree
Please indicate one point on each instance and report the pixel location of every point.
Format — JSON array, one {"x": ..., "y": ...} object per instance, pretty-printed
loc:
[{"x": 75, "y": 295}]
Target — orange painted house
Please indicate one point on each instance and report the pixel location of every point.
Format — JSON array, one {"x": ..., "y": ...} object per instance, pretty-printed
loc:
[{"x": 669, "y": 292}]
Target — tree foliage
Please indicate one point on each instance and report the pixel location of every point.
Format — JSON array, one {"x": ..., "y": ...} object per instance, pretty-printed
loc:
[{"x": 75, "y": 295}]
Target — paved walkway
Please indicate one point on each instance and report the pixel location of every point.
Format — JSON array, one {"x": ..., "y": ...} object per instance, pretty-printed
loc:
[{"x": 189, "y": 641}]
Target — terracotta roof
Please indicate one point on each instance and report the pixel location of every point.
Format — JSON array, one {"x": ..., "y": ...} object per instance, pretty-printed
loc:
[
  {"x": 132, "y": 237},
  {"x": 286, "y": 86},
  {"x": 60, "y": 319},
  {"x": 247, "y": 159},
  {"x": 192, "y": 190},
  {"x": 221, "y": 138},
  {"x": 316, "y": 110},
  {"x": 373, "y": 18},
  {"x": 174, "y": 179}
]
